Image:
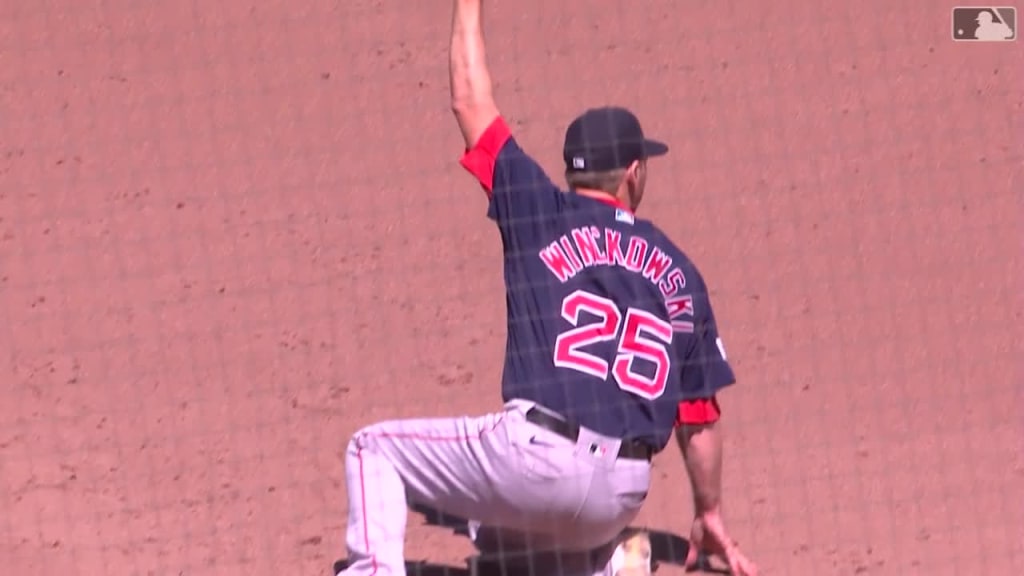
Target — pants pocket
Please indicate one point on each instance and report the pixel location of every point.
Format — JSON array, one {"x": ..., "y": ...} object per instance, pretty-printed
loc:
[
  {"x": 632, "y": 483},
  {"x": 543, "y": 455}
]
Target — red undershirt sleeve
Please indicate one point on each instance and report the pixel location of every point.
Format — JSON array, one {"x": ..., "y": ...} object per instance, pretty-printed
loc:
[
  {"x": 480, "y": 159},
  {"x": 699, "y": 411}
]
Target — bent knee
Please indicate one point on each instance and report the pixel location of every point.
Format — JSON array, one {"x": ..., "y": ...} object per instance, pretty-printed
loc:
[{"x": 365, "y": 438}]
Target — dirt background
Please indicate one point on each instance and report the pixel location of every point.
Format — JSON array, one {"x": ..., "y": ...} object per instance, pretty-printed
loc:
[{"x": 231, "y": 233}]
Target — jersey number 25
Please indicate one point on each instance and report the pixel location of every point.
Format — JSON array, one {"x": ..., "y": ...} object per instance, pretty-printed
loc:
[{"x": 640, "y": 335}]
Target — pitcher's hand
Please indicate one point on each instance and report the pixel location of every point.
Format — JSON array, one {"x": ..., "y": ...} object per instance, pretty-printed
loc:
[{"x": 708, "y": 536}]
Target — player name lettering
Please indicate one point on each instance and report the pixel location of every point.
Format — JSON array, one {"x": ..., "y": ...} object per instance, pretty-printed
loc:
[{"x": 591, "y": 246}]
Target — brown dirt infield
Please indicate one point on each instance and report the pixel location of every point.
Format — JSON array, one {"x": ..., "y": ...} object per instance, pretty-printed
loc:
[{"x": 231, "y": 233}]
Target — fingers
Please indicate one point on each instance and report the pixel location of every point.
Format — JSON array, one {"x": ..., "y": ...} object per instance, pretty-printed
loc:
[
  {"x": 739, "y": 565},
  {"x": 691, "y": 556},
  {"x": 709, "y": 538},
  {"x": 738, "y": 562},
  {"x": 696, "y": 544}
]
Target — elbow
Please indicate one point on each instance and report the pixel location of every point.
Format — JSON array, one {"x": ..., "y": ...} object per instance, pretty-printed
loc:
[
  {"x": 473, "y": 111},
  {"x": 462, "y": 111},
  {"x": 467, "y": 104},
  {"x": 470, "y": 92},
  {"x": 460, "y": 106},
  {"x": 466, "y": 92}
]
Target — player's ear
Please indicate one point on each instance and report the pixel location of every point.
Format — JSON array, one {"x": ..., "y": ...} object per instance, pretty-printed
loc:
[{"x": 634, "y": 170}]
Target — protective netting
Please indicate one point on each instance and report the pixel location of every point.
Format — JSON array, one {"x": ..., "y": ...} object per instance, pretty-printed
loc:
[{"x": 232, "y": 233}]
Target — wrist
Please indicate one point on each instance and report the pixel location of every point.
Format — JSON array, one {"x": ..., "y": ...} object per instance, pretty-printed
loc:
[{"x": 707, "y": 510}]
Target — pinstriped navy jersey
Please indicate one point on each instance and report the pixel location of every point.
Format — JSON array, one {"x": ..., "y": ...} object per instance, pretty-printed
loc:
[{"x": 609, "y": 323}]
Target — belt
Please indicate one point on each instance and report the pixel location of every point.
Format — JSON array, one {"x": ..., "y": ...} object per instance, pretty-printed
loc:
[{"x": 628, "y": 449}]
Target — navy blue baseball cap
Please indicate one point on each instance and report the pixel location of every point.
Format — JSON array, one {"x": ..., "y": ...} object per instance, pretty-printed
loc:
[{"x": 607, "y": 138}]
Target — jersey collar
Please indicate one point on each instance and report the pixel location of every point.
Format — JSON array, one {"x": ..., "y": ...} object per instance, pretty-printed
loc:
[{"x": 607, "y": 200}]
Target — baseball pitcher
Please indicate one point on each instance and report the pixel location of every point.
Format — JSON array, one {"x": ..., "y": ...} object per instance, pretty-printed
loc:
[{"x": 611, "y": 348}]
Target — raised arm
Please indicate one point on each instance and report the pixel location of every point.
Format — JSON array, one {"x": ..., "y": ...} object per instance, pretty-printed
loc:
[{"x": 471, "y": 89}]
